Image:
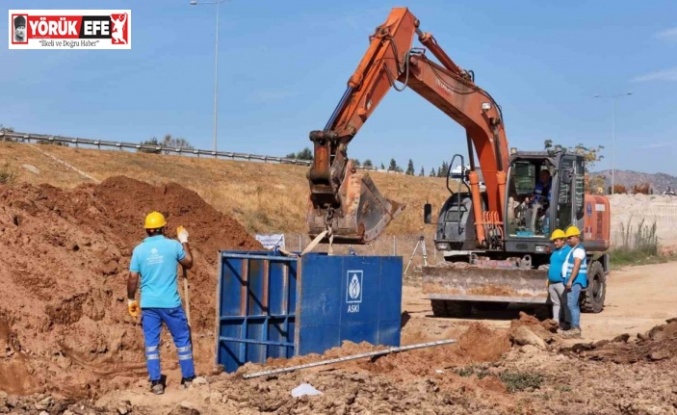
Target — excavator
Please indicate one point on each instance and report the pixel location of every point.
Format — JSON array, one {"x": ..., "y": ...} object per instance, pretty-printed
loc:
[{"x": 494, "y": 236}]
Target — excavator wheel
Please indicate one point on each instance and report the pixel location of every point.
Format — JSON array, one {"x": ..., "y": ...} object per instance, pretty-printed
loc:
[
  {"x": 592, "y": 300},
  {"x": 446, "y": 308}
]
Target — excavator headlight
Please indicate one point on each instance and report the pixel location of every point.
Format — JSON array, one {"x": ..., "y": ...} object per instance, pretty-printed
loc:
[
  {"x": 486, "y": 106},
  {"x": 513, "y": 150},
  {"x": 442, "y": 246},
  {"x": 542, "y": 248}
]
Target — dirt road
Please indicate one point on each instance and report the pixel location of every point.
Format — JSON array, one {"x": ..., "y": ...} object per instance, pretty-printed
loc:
[{"x": 637, "y": 299}]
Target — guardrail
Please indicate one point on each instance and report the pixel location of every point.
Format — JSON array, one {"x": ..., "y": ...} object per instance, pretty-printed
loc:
[{"x": 27, "y": 137}]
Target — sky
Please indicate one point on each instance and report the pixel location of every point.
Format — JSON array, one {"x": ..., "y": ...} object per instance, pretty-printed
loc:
[{"x": 283, "y": 67}]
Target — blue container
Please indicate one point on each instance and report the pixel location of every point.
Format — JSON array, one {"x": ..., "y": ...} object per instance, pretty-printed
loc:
[{"x": 271, "y": 306}]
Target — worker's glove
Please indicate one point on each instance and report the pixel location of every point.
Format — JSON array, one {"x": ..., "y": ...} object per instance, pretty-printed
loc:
[
  {"x": 133, "y": 308},
  {"x": 182, "y": 233}
]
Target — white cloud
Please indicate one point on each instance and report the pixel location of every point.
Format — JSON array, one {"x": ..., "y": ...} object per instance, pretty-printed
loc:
[
  {"x": 669, "y": 34},
  {"x": 664, "y": 75}
]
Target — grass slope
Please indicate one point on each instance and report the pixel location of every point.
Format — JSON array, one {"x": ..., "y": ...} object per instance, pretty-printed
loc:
[{"x": 263, "y": 197}]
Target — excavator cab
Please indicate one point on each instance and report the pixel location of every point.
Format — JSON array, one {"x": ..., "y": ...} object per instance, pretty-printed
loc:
[{"x": 544, "y": 191}]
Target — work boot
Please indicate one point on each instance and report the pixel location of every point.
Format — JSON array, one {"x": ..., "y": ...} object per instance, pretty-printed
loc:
[
  {"x": 157, "y": 387},
  {"x": 574, "y": 333},
  {"x": 186, "y": 382}
]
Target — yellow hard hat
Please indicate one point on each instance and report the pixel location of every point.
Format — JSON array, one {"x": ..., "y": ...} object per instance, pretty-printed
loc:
[
  {"x": 572, "y": 231},
  {"x": 155, "y": 220},
  {"x": 557, "y": 234}
]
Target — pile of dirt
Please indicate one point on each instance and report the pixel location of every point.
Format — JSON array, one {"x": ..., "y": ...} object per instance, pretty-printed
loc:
[
  {"x": 659, "y": 343},
  {"x": 63, "y": 319}
]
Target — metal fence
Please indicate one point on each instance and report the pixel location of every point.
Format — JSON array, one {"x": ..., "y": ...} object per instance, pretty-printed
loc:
[{"x": 121, "y": 145}]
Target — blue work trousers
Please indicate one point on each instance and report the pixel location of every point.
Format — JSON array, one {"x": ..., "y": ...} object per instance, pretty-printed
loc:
[
  {"x": 573, "y": 305},
  {"x": 175, "y": 319}
]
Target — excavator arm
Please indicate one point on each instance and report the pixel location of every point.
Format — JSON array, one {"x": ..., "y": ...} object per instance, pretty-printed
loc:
[{"x": 345, "y": 202}]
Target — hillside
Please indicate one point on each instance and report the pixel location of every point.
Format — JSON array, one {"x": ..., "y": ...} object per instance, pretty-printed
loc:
[
  {"x": 264, "y": 197},
  {"x": 271, "y": 198},
  {"x": 660, "y": 182}
]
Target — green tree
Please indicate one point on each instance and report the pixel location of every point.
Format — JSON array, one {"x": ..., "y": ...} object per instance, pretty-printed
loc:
[
  {"x": 591, "y": 155},
  {"x": 410, "y": 168},
  {"x": 422, "y": 173},
  {"x": 356, "y": 163},
  {"x": 150, "y": 142},
  {"x": 305, "y": 154},
  {"x": 432, "y": 172},
  {"x": 443, "y": 170},
  {"x": 368, "y": 164},
  {"x": 167, "y": 141},
  {"x": 383, "y": 167}
]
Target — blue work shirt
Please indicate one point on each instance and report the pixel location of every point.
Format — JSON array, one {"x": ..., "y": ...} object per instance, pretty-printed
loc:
[
  {"x": 557, "y": 259},
  {"x": 542, "y": 192},
  {"x": 156, "y": 259}
]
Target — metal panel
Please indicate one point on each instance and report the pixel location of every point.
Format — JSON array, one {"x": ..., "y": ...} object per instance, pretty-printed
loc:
[
  {"x": 355, "y": 298},
  {"x": 255, "y": 308}
]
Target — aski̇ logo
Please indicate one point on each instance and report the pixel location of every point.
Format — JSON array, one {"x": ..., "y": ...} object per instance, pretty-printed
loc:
[{"x": 70, "y": 29}]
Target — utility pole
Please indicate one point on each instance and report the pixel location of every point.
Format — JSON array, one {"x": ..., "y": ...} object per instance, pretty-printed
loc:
[
  {"x": 216, "y": 66},
  {"x": 613, "y": 98}
]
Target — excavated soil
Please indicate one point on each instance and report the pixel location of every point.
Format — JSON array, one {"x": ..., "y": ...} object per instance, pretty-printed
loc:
[
  {"x": 67, "y": 344},
  {"x": 659, "y": 343},
  {"x": 63, "y": 319}
]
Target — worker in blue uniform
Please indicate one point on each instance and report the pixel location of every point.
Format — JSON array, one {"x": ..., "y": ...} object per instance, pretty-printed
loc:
[{"x": 154, "y": 262}]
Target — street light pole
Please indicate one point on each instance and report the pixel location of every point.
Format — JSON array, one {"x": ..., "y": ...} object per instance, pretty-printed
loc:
[
  {"x": 613, "y": 98},
  {"x": 216, "y": 66}
]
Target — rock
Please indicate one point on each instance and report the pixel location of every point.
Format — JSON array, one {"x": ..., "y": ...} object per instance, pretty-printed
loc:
[
  {"x": 523, "y": 335},
  {"x": 185, "y": 408},
  {"x": 68, "y": 412},
  {"x": 44, "y": 413},
  {"x": 200, "y": 380},
  {"x": 63, "y": 362},
  {"x": 215, "y": 397},
  {"x": 43, "y": 404},
  {"x": 659, "y": 354},
  {"x": 12, "y": 401},
  {"x": 529, "y": 349},
  {"x": 31, "y": 168},
  {"x": 187, "y": 405}
]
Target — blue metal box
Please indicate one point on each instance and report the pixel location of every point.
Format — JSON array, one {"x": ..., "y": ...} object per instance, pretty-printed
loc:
[{"x": 269, "y": 305}]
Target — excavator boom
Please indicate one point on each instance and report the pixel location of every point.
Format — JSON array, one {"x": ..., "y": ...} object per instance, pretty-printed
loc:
[{"x": 345, "y": 202}]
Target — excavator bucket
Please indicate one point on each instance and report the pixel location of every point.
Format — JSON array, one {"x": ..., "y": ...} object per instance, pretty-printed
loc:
[
  {"x": 457, "y": 286},
  {"x": 363, "y": 216}
]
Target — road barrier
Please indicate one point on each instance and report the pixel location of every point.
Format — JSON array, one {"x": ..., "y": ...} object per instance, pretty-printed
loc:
[
  {"x": 28, "y": 137},
  {"x": 121, "y": 145}
]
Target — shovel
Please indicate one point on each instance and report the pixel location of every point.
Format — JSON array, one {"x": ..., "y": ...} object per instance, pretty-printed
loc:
[{"x": 186, "y": 292}]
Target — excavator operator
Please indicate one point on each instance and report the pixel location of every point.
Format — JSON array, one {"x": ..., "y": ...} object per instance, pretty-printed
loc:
[{"x": 539, "y": 201}]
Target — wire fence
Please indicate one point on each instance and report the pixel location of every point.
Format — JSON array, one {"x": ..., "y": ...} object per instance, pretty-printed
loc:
[{"x": 410, "y": 247}]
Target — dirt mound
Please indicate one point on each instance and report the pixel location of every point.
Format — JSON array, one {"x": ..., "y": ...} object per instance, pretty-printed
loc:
[
  {"x": 659, "y": 343},
  {"x": 64, "y": 266}
]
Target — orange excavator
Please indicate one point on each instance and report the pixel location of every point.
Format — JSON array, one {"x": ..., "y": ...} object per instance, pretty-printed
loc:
[{"x": 494, "y": 235}]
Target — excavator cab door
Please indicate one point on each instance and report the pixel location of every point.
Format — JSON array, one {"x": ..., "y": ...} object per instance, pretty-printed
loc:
[{"x": 570, "y": 192}]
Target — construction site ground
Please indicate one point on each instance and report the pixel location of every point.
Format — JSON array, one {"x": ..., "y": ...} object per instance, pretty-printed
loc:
[{"x": 67, "y": 344}]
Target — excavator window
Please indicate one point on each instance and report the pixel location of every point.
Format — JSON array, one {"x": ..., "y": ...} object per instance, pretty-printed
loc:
[
  {"x": 565, "y": 194},
  {"x": 529, "y": 213}
]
